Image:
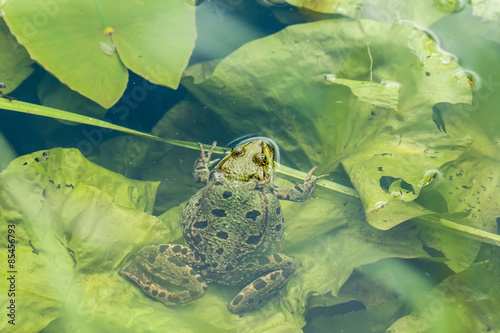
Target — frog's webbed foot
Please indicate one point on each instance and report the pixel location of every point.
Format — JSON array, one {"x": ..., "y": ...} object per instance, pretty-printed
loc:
[
  {"x": 300, "y": 192},
  {"x": 163, "y": 272},
  {"x": 201, "y": 168},
  {"x": 261, "y": 289}
]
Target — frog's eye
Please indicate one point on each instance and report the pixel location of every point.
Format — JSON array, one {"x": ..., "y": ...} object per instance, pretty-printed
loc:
[
  {"x": 237, "y": 151},
  {"x": 260, "y": 159}
]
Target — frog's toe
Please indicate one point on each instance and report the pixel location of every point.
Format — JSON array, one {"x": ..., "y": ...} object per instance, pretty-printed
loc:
[{"x": 259, "y": 291}]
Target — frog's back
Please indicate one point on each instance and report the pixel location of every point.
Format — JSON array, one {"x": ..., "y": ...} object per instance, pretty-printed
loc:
[{"x": 230, "y": 226}]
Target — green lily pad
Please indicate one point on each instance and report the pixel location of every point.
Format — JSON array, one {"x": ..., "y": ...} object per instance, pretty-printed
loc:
[
  {"x": 153, "y": 39},
  {"x": 59, "y": 217},
  {"x": 15, "y": 63},
  {"x": 318, "y": 122},
  {"x": 423, "y": 13},
  {"x": 343, "y": 7}
]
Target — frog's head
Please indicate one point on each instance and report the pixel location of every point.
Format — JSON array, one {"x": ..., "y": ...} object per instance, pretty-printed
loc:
[{"x": 251, "y": 161}]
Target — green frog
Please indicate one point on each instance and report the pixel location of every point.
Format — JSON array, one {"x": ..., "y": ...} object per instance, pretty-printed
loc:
[{"x": 234, "y": 229}]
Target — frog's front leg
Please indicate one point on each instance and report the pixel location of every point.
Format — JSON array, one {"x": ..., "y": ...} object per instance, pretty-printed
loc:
[
  {"x": 300, "y": 192},
  {"x": 279, "y": 269},
  {"x": 165, "y": 272},
  {"x": 201, "y": 168}
]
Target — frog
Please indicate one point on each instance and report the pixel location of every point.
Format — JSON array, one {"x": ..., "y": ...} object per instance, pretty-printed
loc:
[{"x": 234, "y": 230}]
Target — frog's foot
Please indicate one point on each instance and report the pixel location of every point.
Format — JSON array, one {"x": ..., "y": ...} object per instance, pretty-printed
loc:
[
  {"x": 259, "y": 291},
  {"x": 201, "y": 168},
  {"x": 300, "y": 192},
  {"x": 280, "y": 268},
  {"x": 162, "y": 272}
]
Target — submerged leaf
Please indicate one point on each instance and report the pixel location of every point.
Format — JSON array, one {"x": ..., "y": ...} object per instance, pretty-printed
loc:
[
  {"x": 464, "y": 302},
  {"x": 320, "y": 123}
]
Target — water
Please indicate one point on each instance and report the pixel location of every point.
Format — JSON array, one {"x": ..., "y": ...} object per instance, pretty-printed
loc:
[{"x": 399, "y": 103}]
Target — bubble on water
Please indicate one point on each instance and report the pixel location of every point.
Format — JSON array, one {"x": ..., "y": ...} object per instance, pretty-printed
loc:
[
  {"x": 391, "y": 84},
  {"x": 473, "y": 79},
  {"x": 330, "y": 78},
  {"x": 378, "y": 206},
  {"x": 107, "y": 47},
  {"x": 396, "y": 195},
  {"x": 431, "y": 178}
]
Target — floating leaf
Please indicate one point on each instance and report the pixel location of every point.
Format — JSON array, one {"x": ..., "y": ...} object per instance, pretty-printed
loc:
[
  {"x": 15, "y": 63},
  {"x": 152, "y": 38}
]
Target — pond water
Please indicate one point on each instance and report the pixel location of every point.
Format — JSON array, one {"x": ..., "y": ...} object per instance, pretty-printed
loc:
[{"x": 396, "y": 101}]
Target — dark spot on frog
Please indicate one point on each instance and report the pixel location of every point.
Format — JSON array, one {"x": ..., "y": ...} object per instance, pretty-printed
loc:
[
  {"x": 51, "y": 181},
  {"x": 227, "y": 194},
  {"x": 25, "y": 163},
  {"x": 219, "y": 212},
  {"x": 219, "y": 250},
  {"x": 200, "y": 279},
  {"x": 214, "y": 265},
  {"x": 427, "y": 73},
  {"x": 237, "y": 299},
  {"x": 58, "y": 186},
  {"x": 163, "y": 248},
  {"x": 176, "y": 249},
  {"x": 154, "y": 292},
  {"x": 197, "y": 204},
  {"x": 172, "y": 299},
  {"x": 274, "y": 276},
  {"x": 200, "y": 224},
  {"x": 229, "y": 268},
  {"x": 218, "y": 183},
  {"x": 297, "y": 187},
  {"x": 146, "y": 288},
  {"x": 70, "y": 186},
  {"x": 222, "y": 235},
  {"x": 250, "y": 300},
  {"x": 287, "y": 273},
  {"x": 43, "y": 193},
  {"x": 192, "y": 272},
  {"x": 263, "y": 260},
  {"x": 176, "y": 262},
  {"x": 253, "y": 239},
  {"x": 278, "y": 227},
  {"x": 277, "y": 257},
  {"x": 184, "y": 250},
  {"x": 278, "y": 210},
  {"x": 162, "y": 294},
  {"x": 152, "y": 258},
  {"x": 380, "y": 169},
  {"x": 37, "y": 160},
  {"x": 193, "y": 293},
  {"x": 259, "y": 284},
  {"x": 252, "y": 214}
]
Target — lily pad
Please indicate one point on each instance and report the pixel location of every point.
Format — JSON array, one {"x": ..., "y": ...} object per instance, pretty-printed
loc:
[
  {"x": 318, "y": 122},
  {"x": 152, "y": 38},
  {"x": 15, "y": 63}
]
